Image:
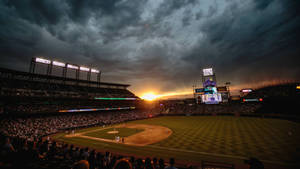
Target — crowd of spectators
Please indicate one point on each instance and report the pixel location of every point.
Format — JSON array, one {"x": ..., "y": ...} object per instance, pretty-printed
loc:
[
  {"x": 278, "y": 90},
  {"x": 203, "y": 109},
  {"x": 26, "y": 88},
  {"x": 55, "y": 105},
  {"x": 36, "y": 127},
  {"x": 48, "y": 154}
]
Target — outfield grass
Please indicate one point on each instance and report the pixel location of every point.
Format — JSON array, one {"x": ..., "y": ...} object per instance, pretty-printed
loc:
[{"x": 222, "y": 138}]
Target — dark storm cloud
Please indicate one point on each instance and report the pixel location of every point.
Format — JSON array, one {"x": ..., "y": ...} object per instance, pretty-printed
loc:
[
  {"x": 43, "y": 13},
  {"x": 261, "y": 5},
  {"x": 252, "y": 43},
  {"x": 163, "y": 43},
  {"x": 66, "y": 21},
  {"x": 56, "y": 16},
  {"x": 122, "y": 13},
  {"x": 169, "y": 6}
]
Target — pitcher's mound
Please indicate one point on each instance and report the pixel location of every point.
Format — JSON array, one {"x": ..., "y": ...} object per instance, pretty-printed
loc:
[
  {"x": 151, "y": 134},
  {"x": 113, "y": 132}
]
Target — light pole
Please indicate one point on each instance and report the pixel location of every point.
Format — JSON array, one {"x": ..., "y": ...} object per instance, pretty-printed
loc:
[{"x": 227, "y": 84}]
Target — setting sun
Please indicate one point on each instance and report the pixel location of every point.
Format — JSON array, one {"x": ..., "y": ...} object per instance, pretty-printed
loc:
[{"x": 149, "y": 96}]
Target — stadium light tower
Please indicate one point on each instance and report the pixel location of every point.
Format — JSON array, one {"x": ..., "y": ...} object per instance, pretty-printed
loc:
[
  {"x": 98, "y": 74},
  {"x": 74, "y": 67},
  {"x": 62, "y": 65},
  {"x": 88, "y": 70},
  {"x": 227, "y": 84},
  {"x": 34, "y": 61},
  {"x": 65, "y": 67}
]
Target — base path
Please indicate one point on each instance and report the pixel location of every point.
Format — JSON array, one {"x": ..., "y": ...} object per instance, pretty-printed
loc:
[{"x": 151, "y": 134}]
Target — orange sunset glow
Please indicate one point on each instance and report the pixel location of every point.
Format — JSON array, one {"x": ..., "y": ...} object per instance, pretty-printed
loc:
[{"x": 150, "y": 96}]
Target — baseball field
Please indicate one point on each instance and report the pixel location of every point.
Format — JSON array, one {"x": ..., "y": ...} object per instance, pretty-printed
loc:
[{"x": 194, "y": 138}]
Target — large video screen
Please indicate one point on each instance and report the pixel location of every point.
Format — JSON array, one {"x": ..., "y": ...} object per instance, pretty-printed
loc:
[
  {"x": 208, "y": 72},
  {"x": 211, "y": 98},
  {"x": 210, "y": 90},
  {"x": 199, "y": 90}
]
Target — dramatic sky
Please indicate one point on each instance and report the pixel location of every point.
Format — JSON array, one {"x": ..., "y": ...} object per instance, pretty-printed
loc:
[{"x": 157, "y": 45}]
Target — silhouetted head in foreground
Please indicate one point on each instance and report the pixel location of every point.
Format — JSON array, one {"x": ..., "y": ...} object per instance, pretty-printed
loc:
[
  {"x": 254, "y": 163},
  {"x": 82, "y": 164},
  {"x": 123, "y": 164}
]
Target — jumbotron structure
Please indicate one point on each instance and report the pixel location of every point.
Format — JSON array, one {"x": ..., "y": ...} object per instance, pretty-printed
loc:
[{"x": 210, "y": 93}]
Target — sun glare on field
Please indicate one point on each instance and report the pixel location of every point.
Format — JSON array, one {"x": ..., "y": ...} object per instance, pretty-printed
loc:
[{"x": 149, "y": 96}]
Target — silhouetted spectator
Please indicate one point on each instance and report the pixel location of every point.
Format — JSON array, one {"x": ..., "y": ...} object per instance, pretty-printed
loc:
[
  {"x": 8, "y": 147},
  {"x": 161, "y": 163},
  {"x": 171, "y": 164},
  {"x": 155, "y": 164},
  {"x": 82, "y": 164},
  {"x": 132, "y": 160},
  {"x": 112, "y": 162},
  {"x": 139, "y": 164},
  {"x": 99, "y": 161},
  {"x": 148, "y": 164},
  {"x": 85, "y": 154},
  {"x": 92, "y": 159},
  {"x": 76, "y": 153},
  {"x": 254, "y": 163},
  {"x": 122, "y": 164}
]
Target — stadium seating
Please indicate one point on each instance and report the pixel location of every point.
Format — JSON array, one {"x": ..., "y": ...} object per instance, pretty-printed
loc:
[{"x": 22, "y": 92}]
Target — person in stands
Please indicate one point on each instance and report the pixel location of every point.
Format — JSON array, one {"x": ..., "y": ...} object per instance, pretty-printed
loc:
[
  {"x": 82, "y": 164},
  {"x": 148, "y": 164},
  {"x": 171, "y": 165},
  {"x": 161, "y": 163},
  {"x": 8, "y": 147},
  {"x": 122, "y": 164}
]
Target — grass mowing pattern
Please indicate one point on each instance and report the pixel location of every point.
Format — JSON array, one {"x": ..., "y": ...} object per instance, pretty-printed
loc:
[
  {"x": 123, "y": 132},
  {"x": 266, "y": 139}
]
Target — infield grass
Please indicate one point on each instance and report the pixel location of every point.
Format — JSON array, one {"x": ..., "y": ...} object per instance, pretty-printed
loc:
[{"x": 221, "y": 138}]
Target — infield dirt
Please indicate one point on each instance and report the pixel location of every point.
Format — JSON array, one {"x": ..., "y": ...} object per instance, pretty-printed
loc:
[{"x": 151, "y": 134}]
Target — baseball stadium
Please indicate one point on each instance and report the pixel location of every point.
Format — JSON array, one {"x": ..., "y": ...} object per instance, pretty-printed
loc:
[
  {"x": 149, "y": 84},
  {"x": 63, "y": 120}
]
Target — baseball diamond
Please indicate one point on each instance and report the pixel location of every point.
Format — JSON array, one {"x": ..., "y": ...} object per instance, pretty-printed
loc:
[{"x": 198, "y": 137}]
